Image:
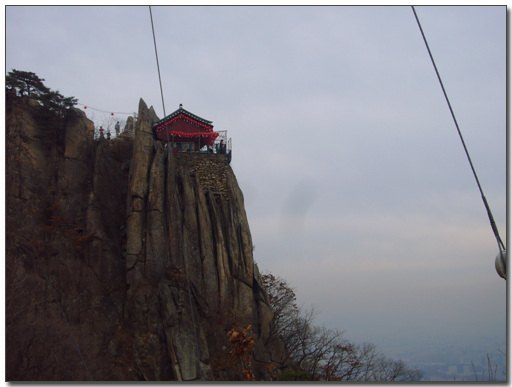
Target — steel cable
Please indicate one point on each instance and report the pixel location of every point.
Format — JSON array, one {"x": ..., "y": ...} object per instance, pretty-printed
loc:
[{"x": 501, "y": 246}]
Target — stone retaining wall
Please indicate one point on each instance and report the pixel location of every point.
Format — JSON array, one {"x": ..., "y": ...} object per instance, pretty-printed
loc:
[{"x": 210, "y": 168}]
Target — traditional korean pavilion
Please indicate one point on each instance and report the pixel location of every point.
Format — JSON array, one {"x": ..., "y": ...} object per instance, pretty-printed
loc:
[{"x": 185, "y": 131}]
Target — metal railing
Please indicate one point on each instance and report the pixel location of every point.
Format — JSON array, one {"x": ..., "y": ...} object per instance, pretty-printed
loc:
[{"x": 221, "y": 145}]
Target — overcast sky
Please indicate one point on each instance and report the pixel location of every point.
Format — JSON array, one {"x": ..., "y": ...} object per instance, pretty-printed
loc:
[{"x": 357, "y": 188}]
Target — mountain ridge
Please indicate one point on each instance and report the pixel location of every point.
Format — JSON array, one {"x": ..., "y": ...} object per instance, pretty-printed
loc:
[{"x": 142, "y": 258}]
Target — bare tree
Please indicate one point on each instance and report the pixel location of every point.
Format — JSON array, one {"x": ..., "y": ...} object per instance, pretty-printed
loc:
[
  {"x": 283, "y": 302},
  {"x": 323, "y": 353}
]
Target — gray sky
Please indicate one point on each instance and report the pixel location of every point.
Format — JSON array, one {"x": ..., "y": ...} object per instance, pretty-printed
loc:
[{"x": 356, "y": 185}]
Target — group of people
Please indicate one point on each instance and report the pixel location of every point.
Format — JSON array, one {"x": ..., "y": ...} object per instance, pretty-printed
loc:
[{"x": 117, "y": 129}]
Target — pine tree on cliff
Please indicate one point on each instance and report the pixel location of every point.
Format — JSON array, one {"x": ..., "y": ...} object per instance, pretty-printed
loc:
[
  {"x": 28, "y": 83},
  {"x": 25, "y": 83}
]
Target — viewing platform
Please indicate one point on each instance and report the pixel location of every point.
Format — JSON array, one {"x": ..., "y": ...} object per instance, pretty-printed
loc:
[{"x": 186, "y": 132}]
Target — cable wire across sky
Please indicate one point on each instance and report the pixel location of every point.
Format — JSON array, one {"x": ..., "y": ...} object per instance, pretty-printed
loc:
[{"x": 489, "y": 213}]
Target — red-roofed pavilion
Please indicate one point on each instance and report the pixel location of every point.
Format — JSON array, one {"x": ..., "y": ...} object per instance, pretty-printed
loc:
[{"x": 185, "y": 131}]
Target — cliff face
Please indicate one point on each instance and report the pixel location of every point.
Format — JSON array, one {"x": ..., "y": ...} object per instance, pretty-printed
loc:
[{"x": 125, "y": 261}]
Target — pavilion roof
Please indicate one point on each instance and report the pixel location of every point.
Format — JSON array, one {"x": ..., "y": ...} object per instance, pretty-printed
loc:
[{"x": 185, "y": 113}]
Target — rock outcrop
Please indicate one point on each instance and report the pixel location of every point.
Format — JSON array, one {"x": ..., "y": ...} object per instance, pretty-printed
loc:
[{"x": 125, "y": 261}]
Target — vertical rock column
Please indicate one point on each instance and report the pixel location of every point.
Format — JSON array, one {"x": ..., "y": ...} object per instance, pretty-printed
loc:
[
  {"x": 182, "y": 294},
  {"x": 138, "y": 191},
  {"x": 142, "y": 303}
]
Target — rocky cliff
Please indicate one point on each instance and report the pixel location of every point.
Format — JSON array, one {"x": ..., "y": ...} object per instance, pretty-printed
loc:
[{"x": 125, "y": 261}]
